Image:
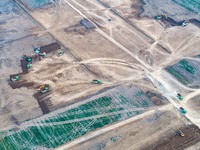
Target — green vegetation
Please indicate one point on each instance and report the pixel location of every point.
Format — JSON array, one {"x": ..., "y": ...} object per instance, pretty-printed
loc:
[
  {"x": 185, "y": 65},
  {"x": 177, "y": 75},
  {"x": 191, "y": 5},
  {"x": 57, "y": 130}
]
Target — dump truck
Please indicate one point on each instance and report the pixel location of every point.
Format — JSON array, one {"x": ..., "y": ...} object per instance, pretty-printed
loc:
[
  {"x": 96, "y": 81},
  {"x": 180, "y": 97},
  {"x": 43, "y": 88},
  {"x": 182, "y": 110}
]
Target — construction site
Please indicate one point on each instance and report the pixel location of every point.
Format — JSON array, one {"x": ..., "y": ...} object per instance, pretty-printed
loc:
[{"x": 99, "y": 75}]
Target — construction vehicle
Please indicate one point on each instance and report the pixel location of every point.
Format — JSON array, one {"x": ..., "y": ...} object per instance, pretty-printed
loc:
[
  {"x": 28, "y": 66},
  {"x": 96, "y": 81},
  {"x": 60, "y": 53},
  {"x": 185, "y": 23},
  {"x": 13, "y": 79},
  {"x": 43, "y": 88},
  {"x": 42, "y": 54},
  {"x": 181, "y": 133},
  {"x": 165, "y": 16},
  {"x": 28, "y": 59},
  {"x": 159, "y": 17},
  {"x": 180, "y": 97},
  {"x": 182, "y": 110},
  {"x": 37, "y": 50}
]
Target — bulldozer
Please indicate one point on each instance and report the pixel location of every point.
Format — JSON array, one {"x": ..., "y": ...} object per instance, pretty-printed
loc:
[{"x": 43, "y": 88}]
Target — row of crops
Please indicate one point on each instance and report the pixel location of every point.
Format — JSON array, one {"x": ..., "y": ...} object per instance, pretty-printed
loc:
[
  {"x": 55, "y": 130},
  {"x": 187, "y": 72},
  {"x": 191, "y": 5}
]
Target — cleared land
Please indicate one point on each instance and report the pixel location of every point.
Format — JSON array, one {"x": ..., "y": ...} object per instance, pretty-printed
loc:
[{"x": 126, "y": 48}]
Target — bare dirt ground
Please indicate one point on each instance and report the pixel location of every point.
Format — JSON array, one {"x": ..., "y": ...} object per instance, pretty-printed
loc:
[
  {"x": 122, "y": 49},
  {"x": 19, "y": 104}
]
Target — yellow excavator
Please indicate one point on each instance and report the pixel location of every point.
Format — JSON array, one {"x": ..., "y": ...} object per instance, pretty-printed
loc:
[{"x": 43, "y": 88}]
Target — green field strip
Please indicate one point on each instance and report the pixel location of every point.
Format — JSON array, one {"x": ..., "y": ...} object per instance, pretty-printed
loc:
[
  {"x": 55, "y": 135},
  {"x": 191, "y": 5},
  {"x": 177, "y": 75}
]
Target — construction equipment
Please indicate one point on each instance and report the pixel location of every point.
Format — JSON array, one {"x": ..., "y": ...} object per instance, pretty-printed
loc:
[
  {"x": 159, "y": 17},
  {"x": 185, "y": 23},
  {"x": 182, "y": 110},
  {"x": 37, "y": 50},
  {"x": 180, "y": 97},
  {"x": 28, "y": 59},
  {"x": 165, "y": 16},
  {"x": 42, "y": 54},
  {"x": 181, "y": 133},
  {"x": 13, "y": 79},
  {"x": 28, "y": 66},
  {"x": 60, "y": 53},
  {"x": 96, "y": 81},
  {"x": 43, "y": 88}
]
